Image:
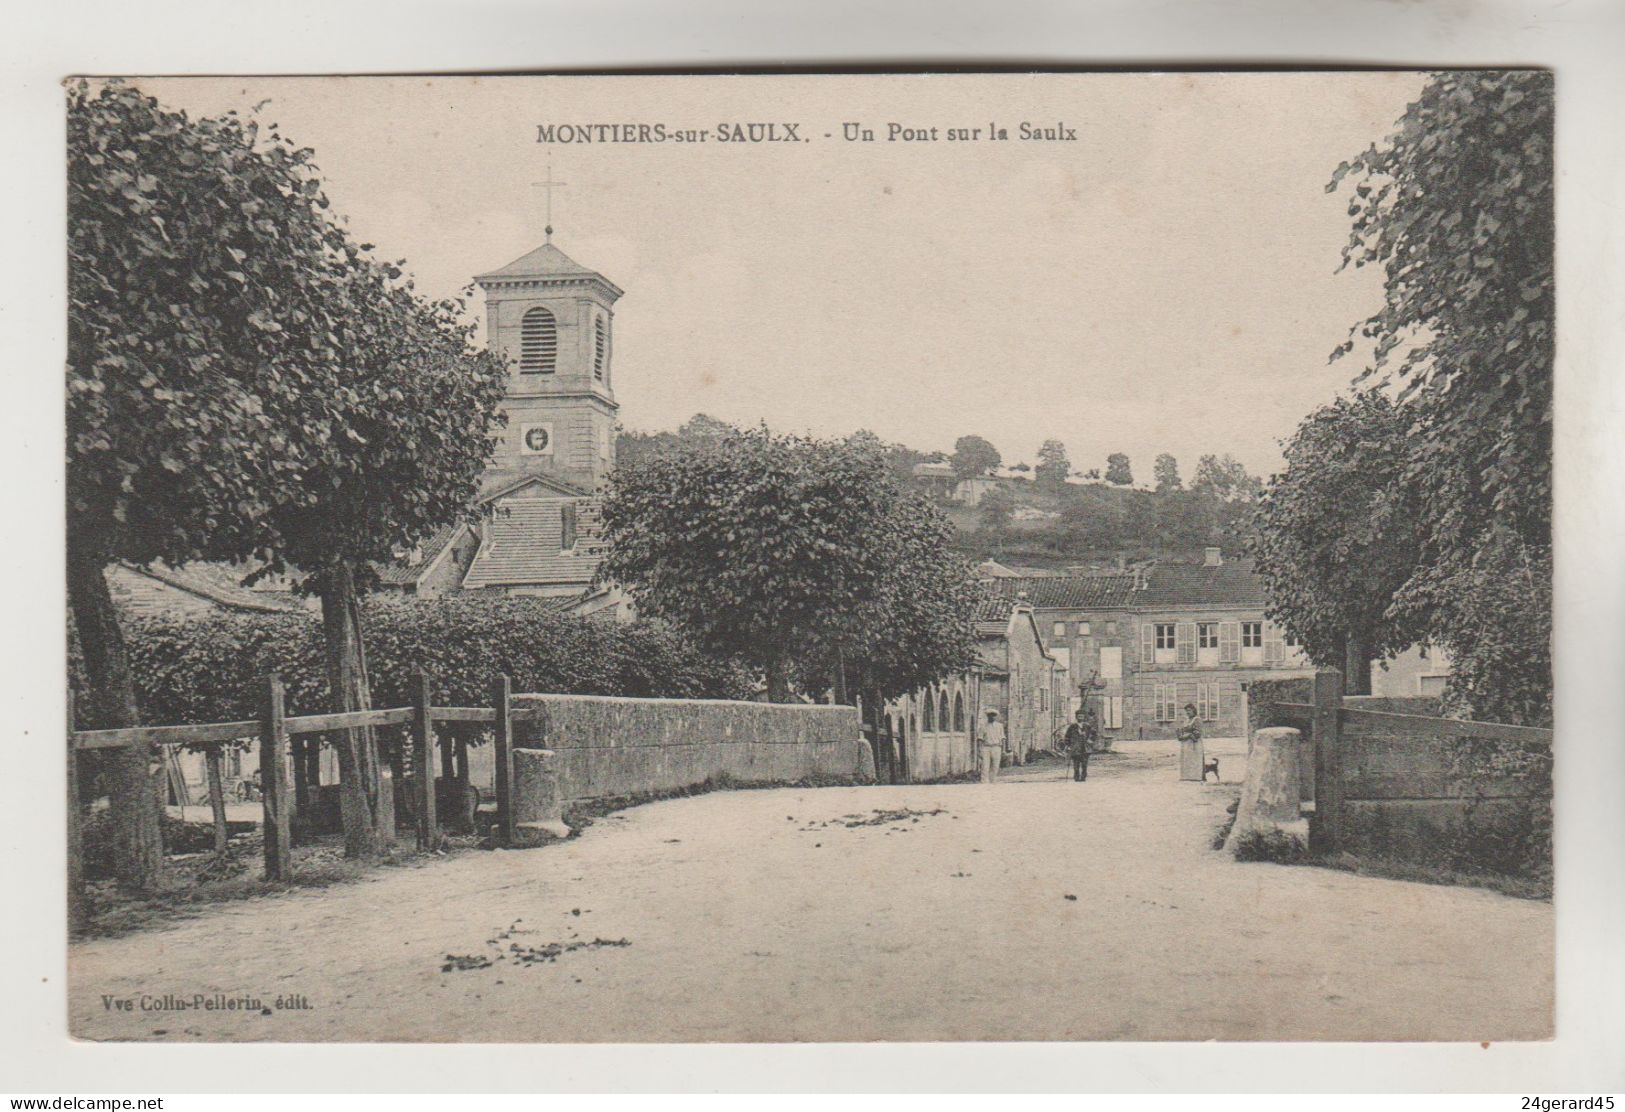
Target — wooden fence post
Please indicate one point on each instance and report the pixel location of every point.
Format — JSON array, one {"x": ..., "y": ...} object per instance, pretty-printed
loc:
[
  {"x": 502, "y": 701},
  {"x": 76, "y": 861},
  {"x": 1326, "y": 831},
  {"x": 423, "y": 759},
  {"x": 274, "y": 783}
]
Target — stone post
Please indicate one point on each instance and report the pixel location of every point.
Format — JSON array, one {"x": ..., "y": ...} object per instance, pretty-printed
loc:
[
  {"x": 1271, "y": 794},
  {"x": 538, "y": 810}
]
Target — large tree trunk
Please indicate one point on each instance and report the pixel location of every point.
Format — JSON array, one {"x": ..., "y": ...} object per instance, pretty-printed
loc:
[
  {"x": 217, "y": 798},
  {"x": 778, "y": 680},
  {"x": 1357, "y": 665},
  {"x": 348, "y": 690},
  {"x": 135, "y": 780}
]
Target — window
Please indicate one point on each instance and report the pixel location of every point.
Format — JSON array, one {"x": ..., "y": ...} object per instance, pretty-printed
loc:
[
  {"x": 925, "y": 713},
  {"x": 1186, "y": 641},
  {"x": 538, "y": 342},
  {"x": 600, "y": 348},
  {"x": 1111, "y": 662},
  {"x": 1207, "y": 701},
  {"x": 567, "y": 526},
  {"x": 1252, "y": 635},
  {"x": 1083, "y": 629},
  {"x": 1166, "y": 696},
  {"x": 1207, "y": 635},
  {"x": 1058, "y": 630},
  {"x": 1165, "y": 635},
  {"x": 959, "y": 712},
  {"x": 944, "y": 722},
  {"x": 1111, "y": 712}
]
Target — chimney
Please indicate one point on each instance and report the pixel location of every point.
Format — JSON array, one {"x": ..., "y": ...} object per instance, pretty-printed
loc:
[{"x": 1212, "y": 557}]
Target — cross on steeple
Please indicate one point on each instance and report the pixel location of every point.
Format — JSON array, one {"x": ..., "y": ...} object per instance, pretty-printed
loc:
[{"x": 549, "y": 185}]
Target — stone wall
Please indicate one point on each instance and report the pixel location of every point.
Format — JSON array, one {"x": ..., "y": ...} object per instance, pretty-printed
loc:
[
  {"x": 1422, "y": 789},
  {"x": 617, "y": 747},
  {"x": 1456, "y": 801}
]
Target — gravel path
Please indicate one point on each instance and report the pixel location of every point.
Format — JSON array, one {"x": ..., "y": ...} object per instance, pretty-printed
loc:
[{"x": 1031, "y": 909}]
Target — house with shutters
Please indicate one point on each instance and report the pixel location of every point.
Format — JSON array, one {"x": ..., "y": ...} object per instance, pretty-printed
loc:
[{"x": 1151, "y": 640}]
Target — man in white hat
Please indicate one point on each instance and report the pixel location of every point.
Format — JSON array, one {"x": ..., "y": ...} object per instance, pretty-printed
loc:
[{"x": 990, "y": 746}]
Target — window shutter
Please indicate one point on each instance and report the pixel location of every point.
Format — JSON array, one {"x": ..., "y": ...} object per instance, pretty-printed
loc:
[
  {"x": 538, "y": 342},
  {"x": 1185, "y": 642},
  {"x": 600, "y": 346},
  {"x": 1274, "y": 649},
  {"x": 1148, "y": 644},
  {"x": 1229, "y": 642}
]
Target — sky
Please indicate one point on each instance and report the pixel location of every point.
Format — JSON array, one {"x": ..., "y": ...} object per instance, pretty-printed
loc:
[{"x": 1166, "y": 281}]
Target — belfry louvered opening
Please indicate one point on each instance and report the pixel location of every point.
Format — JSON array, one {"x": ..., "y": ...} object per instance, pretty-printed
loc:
[
  {"x": 600, "y": 344},
  {"x": 538, "y": 342}
]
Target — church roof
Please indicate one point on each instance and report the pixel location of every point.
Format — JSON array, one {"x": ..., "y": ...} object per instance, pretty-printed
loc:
[
  {"x": 495, "y": 484},
  {"x": 546, "y": 261},
  {"x": 522, "y": 545}
]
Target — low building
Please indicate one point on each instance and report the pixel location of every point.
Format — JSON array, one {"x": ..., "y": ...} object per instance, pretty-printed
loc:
[
  {"x": 1155, "y": 639},
  {"x": 1421, "y": 670},
  {"x": 1018, "y": 677},
  {"x": 931, "y": 733},
  {"x": 935, "y": 478},
  {"x": 434, "y": 568},
  {"x": 194, "y": 591}
]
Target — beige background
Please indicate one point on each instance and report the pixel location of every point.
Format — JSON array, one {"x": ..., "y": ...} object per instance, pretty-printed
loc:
[
  {"x": 313, "y": 36},
  {"x": 1166, "y": 282}
]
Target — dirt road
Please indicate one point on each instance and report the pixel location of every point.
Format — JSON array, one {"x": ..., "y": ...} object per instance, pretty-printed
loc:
[{"x": 1031, "y": 909}]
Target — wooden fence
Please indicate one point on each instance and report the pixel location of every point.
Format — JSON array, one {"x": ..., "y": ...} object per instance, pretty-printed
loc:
[
  {"x": 273, "y": 728},
  {"x": 1369, "y": 760}
]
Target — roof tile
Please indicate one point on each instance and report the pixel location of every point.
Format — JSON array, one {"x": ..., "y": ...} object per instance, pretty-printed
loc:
[{"x": 523, "y": 544}]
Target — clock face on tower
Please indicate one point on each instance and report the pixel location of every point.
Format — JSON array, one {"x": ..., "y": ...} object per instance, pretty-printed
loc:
[{"x": 537, "y": 440}]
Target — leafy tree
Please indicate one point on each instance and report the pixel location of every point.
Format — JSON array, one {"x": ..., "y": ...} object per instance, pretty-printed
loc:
[
  {"x": 996, "y": 510},
  {"x": 697, "y": 432},
  {"x": 1456, "y": 206},
  {"x": 1339, "y": 536},
  {"x": 918, "y": 627},
  {"x": 245, "y": 381},
  {"x": 1053, "y": 466},
  {"x": 703, "y": 426},
  {"x": 1117, "y": 469},
  {"x": 1494, "y": 618},
  {"x": 754, "y": 544},
  {"x": 1226, "y": 478},
  {"x": 199, "y": 258},
  {"x": 973, "y": 456},
  {"x": 396, "y": 438},
  {"x": 1166, "y": 473}
]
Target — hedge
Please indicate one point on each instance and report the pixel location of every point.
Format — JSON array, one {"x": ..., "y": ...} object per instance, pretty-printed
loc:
[{"x": 207, "y": 669}]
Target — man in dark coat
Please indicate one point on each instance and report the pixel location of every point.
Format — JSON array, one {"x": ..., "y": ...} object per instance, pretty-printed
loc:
[{"x": 1080, "y": 742}]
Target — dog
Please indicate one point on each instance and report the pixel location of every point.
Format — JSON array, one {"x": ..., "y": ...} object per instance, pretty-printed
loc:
[{"x": 1210, "y": 766}]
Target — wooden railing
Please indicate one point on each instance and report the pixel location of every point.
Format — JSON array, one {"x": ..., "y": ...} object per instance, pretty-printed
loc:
[{"x": 273, "y": 728}]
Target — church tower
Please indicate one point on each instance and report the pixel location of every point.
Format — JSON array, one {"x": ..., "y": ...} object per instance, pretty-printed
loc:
[{"x": 552, "y": 320}]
